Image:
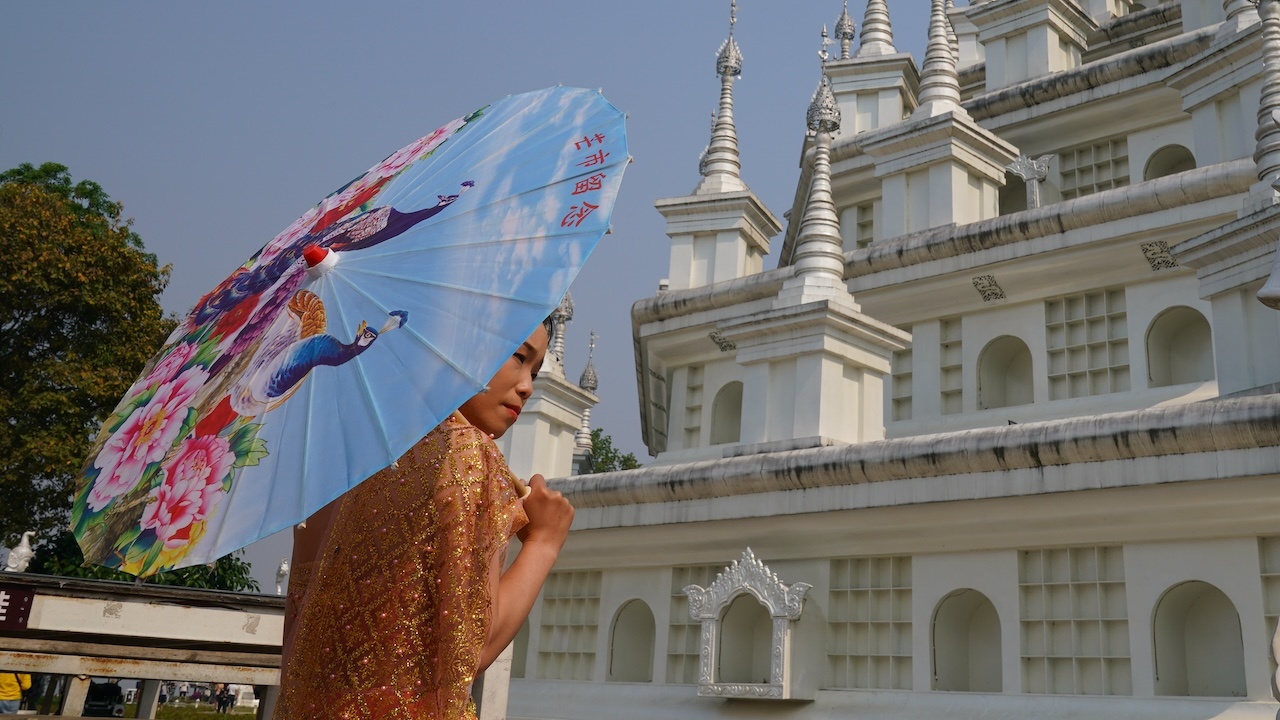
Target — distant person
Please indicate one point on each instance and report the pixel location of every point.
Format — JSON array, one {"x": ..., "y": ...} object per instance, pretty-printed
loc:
[
  {"x": 12, "y": 687},
  {"x": 224, "y": 700}
]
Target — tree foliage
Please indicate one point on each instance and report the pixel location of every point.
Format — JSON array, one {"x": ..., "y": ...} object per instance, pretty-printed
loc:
[
  {"x": 63, "y": 557},
  {"x": 605, "y": 457},
  {"x": 79, "y": 316},
  {"x": 86, "y": 200}
]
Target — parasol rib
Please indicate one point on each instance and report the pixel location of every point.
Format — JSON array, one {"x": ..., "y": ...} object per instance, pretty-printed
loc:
[
  {"x": 411, "y": 331},
  {"x": 453, "y": 286},
  {"x": 365, "y": 388}
]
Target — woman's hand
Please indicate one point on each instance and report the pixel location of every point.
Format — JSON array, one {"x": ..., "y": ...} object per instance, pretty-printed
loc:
[{"x": 550, "y": 515}]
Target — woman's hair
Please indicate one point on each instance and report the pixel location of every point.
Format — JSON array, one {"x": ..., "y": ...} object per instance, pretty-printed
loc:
[{"x": 549, "y": 326}]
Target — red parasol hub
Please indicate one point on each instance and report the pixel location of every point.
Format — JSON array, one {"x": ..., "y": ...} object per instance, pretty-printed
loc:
[
  {"x": 319, "y": 260},
  {"x": 314, "y": 255}
]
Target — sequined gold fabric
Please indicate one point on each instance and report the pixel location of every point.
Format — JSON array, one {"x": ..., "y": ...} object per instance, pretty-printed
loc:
[
  {"x": 299, "y": 578},
  {"x": 396, "y": 611}
]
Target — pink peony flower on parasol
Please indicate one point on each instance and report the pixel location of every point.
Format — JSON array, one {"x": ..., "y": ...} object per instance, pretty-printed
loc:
[
  {"x": 410, "y": 153},
  {"x": 364, "y": 188},
  {"x": 144, "y": 438},
  {"x": 192, "y": 488},
  {"x": 167, "y": 369}
]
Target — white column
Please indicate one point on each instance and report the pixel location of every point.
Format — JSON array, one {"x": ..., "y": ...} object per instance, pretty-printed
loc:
[
  {"x": 755, "y": 403},
  {"x": 895, "y": 206},
  {"x": 679, "y": 273},
  {"x": 941, "y": 196},
  {"x": 729, "y": 257},
  {"x": 77, "y": 693},
  {"x": 814, "y": 387},
  {"x": 782, "y": 399},
  {"x": 148, "y": 698},
  {"x": 679, "y": 409},
  {"x": 267, "y": 703},
  {"x": 494, "y": 686},
  {"x": 870, "y": 411},
  {"x": 1230, "y": 332},
  {"x": 926, "y": 377}
]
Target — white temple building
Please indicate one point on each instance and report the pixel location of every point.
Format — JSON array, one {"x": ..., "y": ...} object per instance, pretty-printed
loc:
[{"x": 998, "y": 438}]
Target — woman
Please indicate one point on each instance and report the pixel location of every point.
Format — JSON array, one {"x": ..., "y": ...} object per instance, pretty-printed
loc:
[{"x": 398, "y": 598}]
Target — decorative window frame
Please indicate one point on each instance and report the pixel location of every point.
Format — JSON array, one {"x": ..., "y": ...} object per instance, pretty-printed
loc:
[{"x": 785, "y": 603}]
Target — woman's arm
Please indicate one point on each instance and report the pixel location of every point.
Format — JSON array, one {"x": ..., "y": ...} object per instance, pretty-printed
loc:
[{"x": 513, "y": 592}]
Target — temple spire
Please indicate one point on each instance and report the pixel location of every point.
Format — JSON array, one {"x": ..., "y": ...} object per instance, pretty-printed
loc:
[
  {"x": 560, "y": 318},
  {"x": 952, "y": 39},
  {"x": 819, "y": 248},
  {"x": 1266, "y": 192},
  {"x": 588, "y": 382},
  {"x": 846, "y": 31},
  {"x": 720, "y": 171},
  {"x": 702, "y": 157},
  {"x": 1267, "y": 152},
  {"x": 939, "y": 83},
  {"x": 721, "y": 205},
  {"x": 877, "y": 33}
]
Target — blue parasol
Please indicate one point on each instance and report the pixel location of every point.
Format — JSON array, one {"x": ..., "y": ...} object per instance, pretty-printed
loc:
[{"x": 360, "y": 327}]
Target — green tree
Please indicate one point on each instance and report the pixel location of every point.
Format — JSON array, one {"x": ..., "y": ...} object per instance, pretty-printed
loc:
[
  {"x": 85, "y": 199},
  {"x": 79, "y": 316},
  {"x": 606, "y": 458},
  {"x": 63, "y": 557}
]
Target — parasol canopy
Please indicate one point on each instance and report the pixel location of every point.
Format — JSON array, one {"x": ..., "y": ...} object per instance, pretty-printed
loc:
[{"x": 352, "y": 333}]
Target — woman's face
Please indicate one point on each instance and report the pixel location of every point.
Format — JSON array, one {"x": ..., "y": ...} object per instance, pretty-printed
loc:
[{"x": 495, "y": 410}]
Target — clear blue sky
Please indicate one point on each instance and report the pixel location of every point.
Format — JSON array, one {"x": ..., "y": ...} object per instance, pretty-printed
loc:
[{"x": 217, "y": 124}]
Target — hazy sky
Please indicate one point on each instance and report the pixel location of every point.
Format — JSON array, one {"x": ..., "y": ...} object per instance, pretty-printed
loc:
[{"x": 217, "y": 124}]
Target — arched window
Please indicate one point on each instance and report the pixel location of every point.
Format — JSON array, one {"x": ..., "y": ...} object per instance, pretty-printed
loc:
[
  {"x": 1004, "y": 374},
  {"x": 746, "y": 633},
  {"x": 1198, "y": 647},
  {"x": 631, "y": 644},
  {"x": 1012, "y": 195},
  {"x": 1168, "y": 160},
  {"x": 966, "y": 643},
  {"x": 726, "y": 414},
  {"x": 1179, "y": 348}
]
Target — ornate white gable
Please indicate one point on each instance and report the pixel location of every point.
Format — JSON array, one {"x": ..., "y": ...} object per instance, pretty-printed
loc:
[{"x": 784, "y": 602}]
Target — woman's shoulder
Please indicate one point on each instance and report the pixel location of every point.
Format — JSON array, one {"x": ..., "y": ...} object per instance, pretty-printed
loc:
[
  {"x": 457, "y": 432},
  {"x": 457, "y": 437}
]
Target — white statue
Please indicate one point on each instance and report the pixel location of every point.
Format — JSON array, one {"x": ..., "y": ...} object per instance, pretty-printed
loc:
[
  {"x": 282, "y": 572},
  {"x": 20, "y": 556}
]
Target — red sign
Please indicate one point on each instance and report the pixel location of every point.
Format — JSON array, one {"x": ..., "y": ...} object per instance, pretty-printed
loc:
[{"x": 15, "y": 607}]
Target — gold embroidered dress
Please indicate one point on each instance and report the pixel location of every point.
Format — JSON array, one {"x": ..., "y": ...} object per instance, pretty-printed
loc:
[{"x": 394, "y": 613}]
